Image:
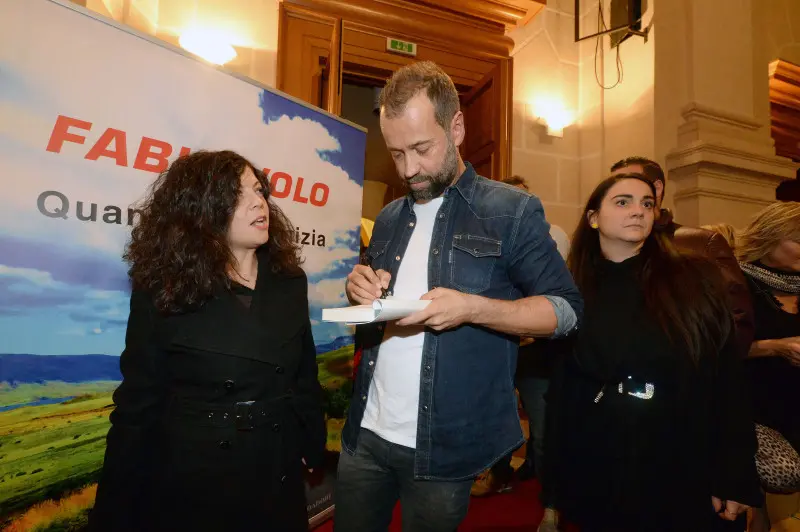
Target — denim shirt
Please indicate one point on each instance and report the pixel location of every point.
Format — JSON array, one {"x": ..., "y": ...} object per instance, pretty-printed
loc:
[{"x": 489, "y": 239}]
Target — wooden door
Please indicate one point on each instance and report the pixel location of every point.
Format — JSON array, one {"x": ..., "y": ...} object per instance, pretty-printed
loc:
[
  {"x": 310, "y": 57},
  {"x": 487, "y": 117}
]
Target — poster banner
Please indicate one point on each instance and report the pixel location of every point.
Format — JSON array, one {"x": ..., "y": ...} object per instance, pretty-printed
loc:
[{"x": 89, "y": 115}]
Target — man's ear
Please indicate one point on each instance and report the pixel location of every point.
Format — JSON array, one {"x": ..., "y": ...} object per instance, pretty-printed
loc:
[{"x": 457, "y": 131}]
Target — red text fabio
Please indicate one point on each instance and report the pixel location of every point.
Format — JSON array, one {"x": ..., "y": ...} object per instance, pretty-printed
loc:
[{"x": 152, "y": 155}]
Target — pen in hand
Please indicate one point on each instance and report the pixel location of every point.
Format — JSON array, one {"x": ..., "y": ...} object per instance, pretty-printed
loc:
[{"x": 366, "y": 261}]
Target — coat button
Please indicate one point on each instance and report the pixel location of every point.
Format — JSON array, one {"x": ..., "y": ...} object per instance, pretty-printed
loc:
[
  {"x": 228, "y": 385},
  {"x": 276, "y": 427},
  {"x": 279, "y": 370},
  {"x": 224, "y": 444}
]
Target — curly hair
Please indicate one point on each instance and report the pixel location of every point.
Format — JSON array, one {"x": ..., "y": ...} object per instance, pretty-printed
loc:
[{"x": 178, "y": 251}]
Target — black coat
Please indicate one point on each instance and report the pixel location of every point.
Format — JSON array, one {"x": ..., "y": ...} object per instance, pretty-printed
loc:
[
  {"x": 624, "y": 463},
  {"x": 185, "y": 451}
]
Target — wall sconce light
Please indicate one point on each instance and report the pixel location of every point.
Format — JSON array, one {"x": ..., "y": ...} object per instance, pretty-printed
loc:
[
  {"x": 552, "y": 114},
  {"x": 213, "y": 46}
]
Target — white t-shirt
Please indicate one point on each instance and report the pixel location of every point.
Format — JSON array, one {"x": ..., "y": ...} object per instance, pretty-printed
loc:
[{"x": 393, "y": 402}]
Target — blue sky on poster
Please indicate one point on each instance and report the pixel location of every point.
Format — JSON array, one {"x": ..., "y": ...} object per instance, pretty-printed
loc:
[{"x": 63, "y": 287}]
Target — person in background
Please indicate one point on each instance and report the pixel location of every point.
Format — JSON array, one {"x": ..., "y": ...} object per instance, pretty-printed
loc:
[
  {"x": 655, "y": 431},
  {"x": 789, "y": 190},
  {"x": 769, "y": 251},
  {"x": 701, "y": 242},
  {"x": 219, "y": 405},
  {"x": 534, "y": 364},
  {"x": 434, "y": 402}
]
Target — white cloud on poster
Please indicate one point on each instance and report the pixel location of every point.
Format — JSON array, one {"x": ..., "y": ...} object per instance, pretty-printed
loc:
[
  {"x": 31, "y": 278},
  {"x": 327, "y": 293},
  {"x": 26, "y": 291},
  {"x": 321, "y": 260}
]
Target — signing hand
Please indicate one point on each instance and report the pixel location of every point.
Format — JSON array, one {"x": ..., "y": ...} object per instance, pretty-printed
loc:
[
  {"x": 364, "y": 285},
  {"x": 731, "y": 511},
  {"x": 447, "y": 309}
]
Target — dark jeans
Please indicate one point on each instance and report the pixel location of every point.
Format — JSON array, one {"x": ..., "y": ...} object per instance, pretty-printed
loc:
[{"x": 370, "y": 483}]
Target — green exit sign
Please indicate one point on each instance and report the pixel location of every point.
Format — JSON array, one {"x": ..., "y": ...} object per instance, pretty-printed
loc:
[{"x": 401, "y": 47}]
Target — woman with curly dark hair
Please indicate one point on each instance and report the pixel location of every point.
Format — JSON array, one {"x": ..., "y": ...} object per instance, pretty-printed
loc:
[{"x": 220, "y": 405}]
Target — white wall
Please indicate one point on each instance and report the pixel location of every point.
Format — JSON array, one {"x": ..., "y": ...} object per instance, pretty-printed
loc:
[{"x": 610, "y": 124}]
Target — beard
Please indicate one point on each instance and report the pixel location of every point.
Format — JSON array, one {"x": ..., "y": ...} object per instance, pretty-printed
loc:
[{"x": 438, "y": 182}]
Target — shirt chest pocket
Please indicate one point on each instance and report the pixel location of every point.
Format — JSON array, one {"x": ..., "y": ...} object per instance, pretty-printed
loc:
[{"x": 472, "y": 261}]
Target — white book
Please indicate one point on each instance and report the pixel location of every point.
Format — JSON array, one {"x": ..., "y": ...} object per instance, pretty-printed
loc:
[{"x": 380, "y": 310}]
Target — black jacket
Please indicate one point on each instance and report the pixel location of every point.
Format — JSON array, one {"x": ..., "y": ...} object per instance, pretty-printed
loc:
[
  {"x": 627, "y": 463},
  {"x": 185, "y": 450}
]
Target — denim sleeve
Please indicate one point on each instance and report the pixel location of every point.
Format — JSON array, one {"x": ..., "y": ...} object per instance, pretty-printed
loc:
[
  {"x": 566, "y": 318},
  {"x": 537, "y": 269}
]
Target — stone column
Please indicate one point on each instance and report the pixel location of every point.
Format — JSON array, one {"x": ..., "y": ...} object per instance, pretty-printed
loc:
[{"x": 719, "y": 155}]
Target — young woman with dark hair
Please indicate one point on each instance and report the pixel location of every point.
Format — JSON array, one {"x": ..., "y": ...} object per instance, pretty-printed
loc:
[
  {"x": 219, "y": 406},
  {"x": 653, "y": 431}
]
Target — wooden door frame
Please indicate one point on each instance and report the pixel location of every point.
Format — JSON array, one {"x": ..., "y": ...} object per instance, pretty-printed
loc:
[
  {"x": 505, "y": 119},
  {"x": 333, "y": 100},
  {"x": 424, "y": 24},
  {"x": 439, "y": 30}
]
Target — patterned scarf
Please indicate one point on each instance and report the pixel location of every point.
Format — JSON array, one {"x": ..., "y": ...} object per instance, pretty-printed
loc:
[{"x": 788, "y": 283}]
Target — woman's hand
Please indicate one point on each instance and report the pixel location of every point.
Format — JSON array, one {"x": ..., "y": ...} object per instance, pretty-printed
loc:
[
  {"x": 789, "y": 348},
  {"x": 729, "y": 510}
]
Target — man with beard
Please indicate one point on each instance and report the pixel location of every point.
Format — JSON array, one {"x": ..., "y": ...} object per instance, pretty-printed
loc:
[{"x": 434, "y": 401}]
